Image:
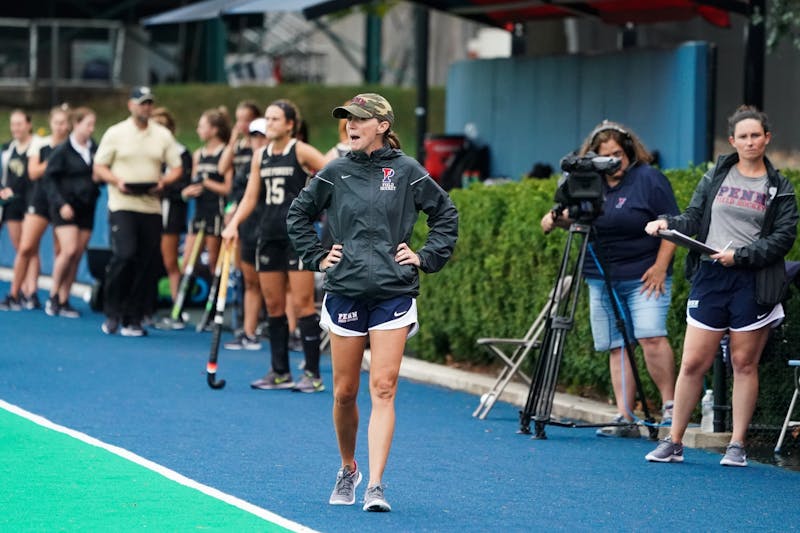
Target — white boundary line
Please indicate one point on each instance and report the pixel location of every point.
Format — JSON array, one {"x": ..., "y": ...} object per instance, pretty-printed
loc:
[{"x": 159, "y": 469}]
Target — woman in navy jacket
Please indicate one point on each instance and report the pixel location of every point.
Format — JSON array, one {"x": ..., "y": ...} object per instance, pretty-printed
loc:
[{"x": 373, "y": 196}]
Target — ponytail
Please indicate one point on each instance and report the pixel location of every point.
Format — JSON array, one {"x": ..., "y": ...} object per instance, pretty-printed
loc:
[{"x": 392, "y": 138}]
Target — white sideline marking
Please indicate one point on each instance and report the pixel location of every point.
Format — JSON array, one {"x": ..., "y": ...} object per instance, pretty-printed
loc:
[{"x": 159, "y": 469}]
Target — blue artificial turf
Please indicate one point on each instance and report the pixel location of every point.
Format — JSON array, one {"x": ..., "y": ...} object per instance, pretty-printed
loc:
[{"x": 447, "y": 471}]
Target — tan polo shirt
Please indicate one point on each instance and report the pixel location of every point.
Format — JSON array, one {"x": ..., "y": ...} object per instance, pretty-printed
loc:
[{"x": 136, "y": 156}]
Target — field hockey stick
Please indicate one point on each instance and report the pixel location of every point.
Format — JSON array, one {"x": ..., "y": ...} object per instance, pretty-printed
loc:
[
  {"x": 188, "y": 275},
  {"x": 219, "y": 316},
  {"x": 212, "y": 293}
]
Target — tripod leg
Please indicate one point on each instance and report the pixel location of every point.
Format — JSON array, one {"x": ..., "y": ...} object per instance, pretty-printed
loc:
[{"x": 561, "y": 313}]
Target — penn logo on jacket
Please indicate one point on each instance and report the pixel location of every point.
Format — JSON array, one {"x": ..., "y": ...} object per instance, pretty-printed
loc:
[{"x": 387, "y": 184}]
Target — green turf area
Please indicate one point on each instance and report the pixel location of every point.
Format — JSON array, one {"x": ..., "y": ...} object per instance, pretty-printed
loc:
[{"x": 53, "y": 482}]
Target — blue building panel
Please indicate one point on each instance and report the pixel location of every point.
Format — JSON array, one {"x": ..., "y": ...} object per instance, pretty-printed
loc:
[{"x": 530, "y": 110}]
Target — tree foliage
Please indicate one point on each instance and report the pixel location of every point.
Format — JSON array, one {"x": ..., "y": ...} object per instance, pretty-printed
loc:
[{"x": 782, "y": 23}]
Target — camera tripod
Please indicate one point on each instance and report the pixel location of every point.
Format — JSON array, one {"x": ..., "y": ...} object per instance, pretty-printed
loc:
[{"x": 560, "y": 320}]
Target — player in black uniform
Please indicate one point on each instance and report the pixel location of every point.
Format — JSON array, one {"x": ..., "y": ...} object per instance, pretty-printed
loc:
[
  {"x": 249, "y": 134},
  {"x": 209, "y": 188},
  {"x": 174, "y": 216},
  {"x": 37, "y": 216},
  {"x": 72, "y": 195},
  {"x": 15, "y": 196},
  {"x": 281, "y": 170}
]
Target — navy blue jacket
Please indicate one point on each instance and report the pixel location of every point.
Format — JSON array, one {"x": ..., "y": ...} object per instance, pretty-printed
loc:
[{"x": 373, "y": 203}]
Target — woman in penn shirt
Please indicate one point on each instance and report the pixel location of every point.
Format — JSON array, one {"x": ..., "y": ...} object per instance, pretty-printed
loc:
[{"x": 747, "y": 210}]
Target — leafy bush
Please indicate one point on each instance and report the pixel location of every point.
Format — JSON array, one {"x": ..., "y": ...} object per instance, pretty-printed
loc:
[{"x": 502, "y": 270}]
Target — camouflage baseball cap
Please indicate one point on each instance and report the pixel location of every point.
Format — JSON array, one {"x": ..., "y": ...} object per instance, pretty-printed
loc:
[{"x": 366, "y": 105}]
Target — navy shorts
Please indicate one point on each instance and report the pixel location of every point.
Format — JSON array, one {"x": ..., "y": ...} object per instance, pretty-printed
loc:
[
  {"x": 724, "y": 298},
  {"x": 349, "y": 317},
  {"x": 277, "y": 256}
]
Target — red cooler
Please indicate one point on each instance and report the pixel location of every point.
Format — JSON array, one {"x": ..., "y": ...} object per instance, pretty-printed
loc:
[{"x": 440, "y": 150}]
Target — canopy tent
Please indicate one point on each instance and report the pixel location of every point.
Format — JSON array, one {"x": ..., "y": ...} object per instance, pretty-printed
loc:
[
  {"x": 211, "y": 9},
  {"x": 502, "y": 13}
]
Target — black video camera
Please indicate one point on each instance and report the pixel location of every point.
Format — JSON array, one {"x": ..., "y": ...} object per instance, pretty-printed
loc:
[{"x": 580, "y": 189}]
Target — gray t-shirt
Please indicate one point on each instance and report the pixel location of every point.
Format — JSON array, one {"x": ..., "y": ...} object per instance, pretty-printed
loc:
[{"x": 737, "y": 213}]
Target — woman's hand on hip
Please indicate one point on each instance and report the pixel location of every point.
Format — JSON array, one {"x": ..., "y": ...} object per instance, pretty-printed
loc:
[
  {"x": 333, "y": 257},
  {"x": 406, "y": 256}
]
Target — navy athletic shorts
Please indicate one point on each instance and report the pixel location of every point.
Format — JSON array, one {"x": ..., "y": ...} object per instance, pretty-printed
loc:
[
  {"x": 354, "y": 318},
  {"x": 724, "y": 298}
]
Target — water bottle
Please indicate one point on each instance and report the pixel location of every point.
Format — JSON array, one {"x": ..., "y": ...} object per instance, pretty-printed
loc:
[{"x": 707, "y": 407}]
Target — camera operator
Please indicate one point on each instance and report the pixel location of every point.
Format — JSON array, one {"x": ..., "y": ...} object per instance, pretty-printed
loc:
[{"x": 640, "y": 269}]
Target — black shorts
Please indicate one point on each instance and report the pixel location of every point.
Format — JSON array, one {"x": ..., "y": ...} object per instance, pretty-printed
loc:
[
  {"x": 39, "y": 203},
  {"x": 211, "y": 223},
  {"x": 174, "y": 214},
  {"x": 84, "y": 217},
  {"x": 14, "y": 210},
  {"x": 277, "y": 256},
  {"x": 248, "y": 239}
]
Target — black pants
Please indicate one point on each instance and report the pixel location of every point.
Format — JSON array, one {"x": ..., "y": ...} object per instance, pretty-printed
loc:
[{"x": 132, "y": 272}]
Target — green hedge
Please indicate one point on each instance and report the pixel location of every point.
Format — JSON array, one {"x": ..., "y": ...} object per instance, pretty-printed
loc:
[{"x": 504, "y": 267}]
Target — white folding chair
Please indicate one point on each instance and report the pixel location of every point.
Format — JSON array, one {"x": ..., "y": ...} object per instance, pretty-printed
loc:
[
  {"x": 519, "y": 350},
  {"x": 788, "y": 422}
]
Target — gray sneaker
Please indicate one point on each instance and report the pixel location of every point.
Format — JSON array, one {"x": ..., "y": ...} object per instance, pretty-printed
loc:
[
  {"x": 243, "y": 342},
  {"x": 626, "y": 431},
  {"x": 309, "y": 383},
  {"x": 374, "y": 500},
  {"x": 666, "y": 452},
  {"x": 734, "y": 455},
  {"x": 273, "y": 381},
  {"x": 344, "y": 492}
]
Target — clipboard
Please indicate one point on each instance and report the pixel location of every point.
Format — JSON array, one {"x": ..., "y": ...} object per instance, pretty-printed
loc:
[
  {"x": 140, "y": 187},
  {"x": 687, "y": 242}
]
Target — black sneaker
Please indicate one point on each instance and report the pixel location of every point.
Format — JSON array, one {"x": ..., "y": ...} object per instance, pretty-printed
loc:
[
  {"x": 110, "y": 326},
  {"x": 51, "y": 306},
  {"x": 10, "y": 304},
  {"x": 31, "y": 302},
  {"x": 67, "y": 311}
]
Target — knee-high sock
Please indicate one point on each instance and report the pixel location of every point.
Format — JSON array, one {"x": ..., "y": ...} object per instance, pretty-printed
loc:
[
  {"x": 279, "y": 343},
  {"x": 310, "y": 331}
]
